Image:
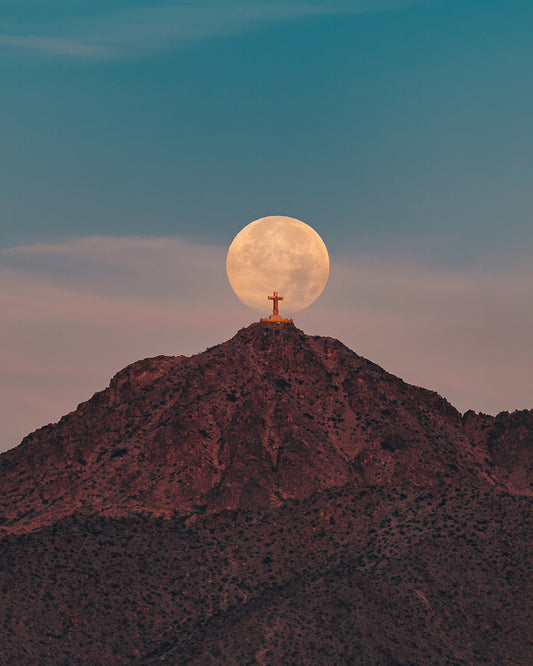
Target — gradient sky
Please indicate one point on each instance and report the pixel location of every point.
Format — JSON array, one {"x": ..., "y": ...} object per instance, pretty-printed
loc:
[{"x": 138, "y": 138}]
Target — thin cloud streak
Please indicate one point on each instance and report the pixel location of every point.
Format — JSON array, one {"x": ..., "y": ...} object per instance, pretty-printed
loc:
[
  {"x": 132, "y": 32},
  {"x": 75, "y": 312},
  {"x": 57, "y": 46}
]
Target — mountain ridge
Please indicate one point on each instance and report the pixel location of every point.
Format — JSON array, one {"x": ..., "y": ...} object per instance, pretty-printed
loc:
[{"x": 271, "y": 414}]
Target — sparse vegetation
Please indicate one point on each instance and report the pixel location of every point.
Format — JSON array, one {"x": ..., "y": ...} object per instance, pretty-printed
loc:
[{"x": 275, "y": 500}]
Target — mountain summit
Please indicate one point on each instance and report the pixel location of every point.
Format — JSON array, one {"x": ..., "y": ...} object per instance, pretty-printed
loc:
[{"x": 271, "y": 470}]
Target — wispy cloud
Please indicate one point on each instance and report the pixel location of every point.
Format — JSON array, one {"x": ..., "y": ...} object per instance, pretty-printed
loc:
[
  {"x": 113, "y": 30},
  {"x": 73, "y": 313},
  {"x": 56, "y": 46}
]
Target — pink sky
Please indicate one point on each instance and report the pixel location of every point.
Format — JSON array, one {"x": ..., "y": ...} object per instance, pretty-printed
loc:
[{"x": 75, "y": 312}]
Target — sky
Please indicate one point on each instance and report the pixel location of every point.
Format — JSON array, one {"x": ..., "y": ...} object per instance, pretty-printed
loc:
[{"x": 138, "y": 138}]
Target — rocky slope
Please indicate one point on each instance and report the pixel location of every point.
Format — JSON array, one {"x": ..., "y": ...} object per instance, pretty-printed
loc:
[{"x": 275, "y": 499}]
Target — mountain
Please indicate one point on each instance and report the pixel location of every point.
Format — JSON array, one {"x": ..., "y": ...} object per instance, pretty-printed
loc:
[{"x": 275, "y": 499}]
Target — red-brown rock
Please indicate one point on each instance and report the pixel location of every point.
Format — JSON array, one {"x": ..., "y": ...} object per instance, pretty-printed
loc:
[{"x": 247, "y": 503}]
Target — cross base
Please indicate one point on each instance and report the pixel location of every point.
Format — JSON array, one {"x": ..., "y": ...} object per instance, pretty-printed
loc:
[{"x": 276, "y": 318}]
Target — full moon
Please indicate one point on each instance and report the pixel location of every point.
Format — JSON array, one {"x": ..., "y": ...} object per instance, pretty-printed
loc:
[{"x": 280, "y": 254}]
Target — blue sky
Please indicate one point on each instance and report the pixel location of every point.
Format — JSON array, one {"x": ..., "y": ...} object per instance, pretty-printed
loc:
[
  {"x": 401, "y": 131},
  {"x": 191, "y": 119}
]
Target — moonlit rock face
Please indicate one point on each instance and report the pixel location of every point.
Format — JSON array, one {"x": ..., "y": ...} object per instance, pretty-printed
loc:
[{"x": 280, "y": 254}]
